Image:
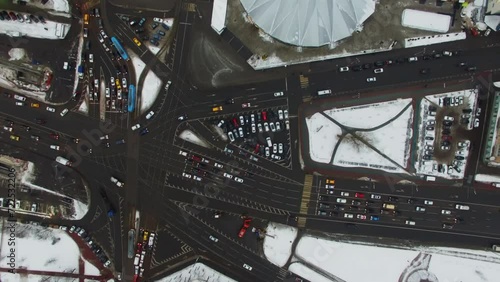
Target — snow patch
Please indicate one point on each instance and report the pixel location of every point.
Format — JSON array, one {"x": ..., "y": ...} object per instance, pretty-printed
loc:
[
  {"x": 278, "y": 243},
  {"x": 189, "y": 136},
  {"x": 265, "y": 37},
  {"x": 55, "y": 5},
  {"x": 487, "y": 178},
  {"x": 325, "y": 135},
  {"x": 81, "y": 210},
  {"x": 17, "y": 54},
  {"x": 84, "y": 108},
  {"x": 197, "y": 272},
  {"x": 150, "y": 90},
  {"x": 49, "y": 30}
]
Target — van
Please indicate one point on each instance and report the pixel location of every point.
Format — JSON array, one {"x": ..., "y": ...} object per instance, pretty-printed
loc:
[
  {"x": 389, "y": 206},
  {"x": 430, "y": 178},
  {"x": 324, "y": 92}
]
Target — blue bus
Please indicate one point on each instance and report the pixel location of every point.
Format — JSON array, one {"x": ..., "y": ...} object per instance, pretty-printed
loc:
[
  {"x": 120, "y": 49},
  {"x": 131, "y": 98}
]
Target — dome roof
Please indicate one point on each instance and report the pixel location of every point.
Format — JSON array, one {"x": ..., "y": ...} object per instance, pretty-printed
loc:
[{"x": 309, "y": 23}]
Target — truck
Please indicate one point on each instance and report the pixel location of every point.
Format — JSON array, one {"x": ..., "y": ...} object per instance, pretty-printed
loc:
[
  {"x": 63, "y": 161},
  {"x": 80, "y": 71}
]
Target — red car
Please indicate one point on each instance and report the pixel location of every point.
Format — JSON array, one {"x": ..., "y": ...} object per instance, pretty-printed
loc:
[
  {"x": 245, "y": 105},
  {"x": 243, "y": 230},
  {"x": 264, "y": 116},
  {"x": 235, "y": 122},
  {"x": 257, "y": 148},
  {"x": 196, "y": 158},
  {"x": 359, "y": 195},
  {"x": 139, "y": 247},
  {"x": 446, "y": 138},
  {"x": 54, "y": 136}
]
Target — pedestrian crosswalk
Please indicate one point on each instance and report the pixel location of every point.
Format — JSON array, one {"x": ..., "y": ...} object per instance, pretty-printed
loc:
[{"x": 306, "y": 196}]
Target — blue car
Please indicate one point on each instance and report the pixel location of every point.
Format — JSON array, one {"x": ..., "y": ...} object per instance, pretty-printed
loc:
[
  {"x": 122, "y": 141},
  {"x": 144, "y": 131},
  {"x": 374, "y": 218}
]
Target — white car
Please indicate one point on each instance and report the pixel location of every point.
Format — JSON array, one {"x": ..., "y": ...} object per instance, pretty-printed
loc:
[
  {"x": 218, "y": 165},
  {"x": 135, "y": 127},
  {"x": 117, "y": 182},
  {"x": 8, "y": 128},
  {"x": 343, "y": 69},
  {"x": 275, "y": 148},
  {"x": 259, "y": 126},
  {"x": 448, "y": 118},
  {"x": 380, "y": 70},
  {"x": 412, "y": 59},
  {"x": 124, "y": 82},
  {"x": 371, "y": 79},
  {"x": 410, "y": 222},
  {"x": 186, "y": 175},
  {"x": 19, "y": 104},
  {"x": 287, "y": 124},
  {"x": 54, "y": 147},
  {"x": 285, "y": 112},
  {"x": 280, "y": 148},
  {"x": 254, "y": 129},
  {"x": 242, "y": 120},
  {"x": 462, "y": 207},
  {"x": 112, "y": 79},
  {"x": 231, "y": 136},
  {"x": 344, "y": 194},
  {"x": 445, "y": 212},
  {"x": 197, "y": 178},
  {"x": 240, "y": 130},
  {"x": 150, "y": 115},
  {"x": 341, "y": 200},
  {"x": 167, "y": 86},
  {"x": 247, "y": 267},
  {"x": 213, "y": 238},
  {"x": 227, "y": 175},
  {"x": 99, "y": 36},
  {"x": 239, "y": 180},
  {"x": 476, "y": 122},
  {"x": 280, "y": 114},
  {"x": 268, "y": 141},
  {"x": 158, "y": 20},
  {"x": 64, "y": 112},
  {"x": 50, "y": 109},
  {"x": 91, "y": 58},
  {"x": 376, "y": 197},
  {"x": 266, "y": 126},
  {"x": 65, "y": 66},
  {"x": 278, "y": 94},
  {"x": 428, "y": 202},
  {"x": 182, "y": 153},
  {"x": 267, "y": 152},
  {"x": 420, "y": 209},
  {"x": 348, "y": 215},
  {"x": 278, "y": 126},
  {"x": 329, "y": 186}
]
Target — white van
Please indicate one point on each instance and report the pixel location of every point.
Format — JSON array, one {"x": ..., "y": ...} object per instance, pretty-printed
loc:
[{"x": 324, "y": 92}]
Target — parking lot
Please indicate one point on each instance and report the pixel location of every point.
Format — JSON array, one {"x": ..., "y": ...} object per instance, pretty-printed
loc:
[{"x": 263, "y": 133}]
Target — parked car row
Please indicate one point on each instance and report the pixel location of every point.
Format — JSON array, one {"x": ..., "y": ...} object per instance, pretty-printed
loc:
[
  {"x": 92, "y": 245},
  {"x": 23, "y": 18}
]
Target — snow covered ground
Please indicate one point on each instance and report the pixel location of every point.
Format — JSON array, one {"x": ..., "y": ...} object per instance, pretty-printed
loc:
[
  {"x": 84, "y": 108},
  {"x": 81, "y": 210},
  {"x": 429, "y": 167},
  {"x": 391, "y": 139},
  {"x": 8, "y": 80},
  {"x": 196, "y": 272},
  {"x": 278, "y": 243},
  {"x": 487, "y": 178},
  {"x": 17, "y": 54},
  {"x": 49, "y": 30},
  {"x": 41, "y": 248},
  {"x": 55, "y": 5},
  {"x": 190, "y": 136},
  {"x": 152, "y": 83}
]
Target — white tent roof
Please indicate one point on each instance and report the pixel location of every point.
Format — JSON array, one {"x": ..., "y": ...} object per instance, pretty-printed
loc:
[{"x": 309, "y": 23}]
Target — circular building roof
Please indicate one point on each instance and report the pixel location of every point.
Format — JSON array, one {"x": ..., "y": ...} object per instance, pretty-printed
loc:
[{"x": 309, "y": 23}]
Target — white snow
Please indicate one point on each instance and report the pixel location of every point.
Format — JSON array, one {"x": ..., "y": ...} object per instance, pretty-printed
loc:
[
  {"x": 152, "y": 83},
  {"x": 220, "y": 132},
  {"x": 392, "y": 139},
  {"x": 323, "y": 135},
  {"x": 84, "y": 108},
  {"x": 304, "y": 271},
  {"x": 190, "y": 136},
  {"x": 487, "y": 178},
  {"x": 433, "y": 39},
  {"x": 55, "y": 5},
  {"x": 8, "y": 80},
  {"x": 81, "y": 210},
  {"x": 90, "y": 269},
  {"x": 17, "y": 54},
  {"x": 219, "y": 16},
  {"x": 150, "y": 90},
  {"x": 49, "y": 30},
  {"x": 265, "y": 37},
  {"x": 343, "y": 260},
  {"x": 78, "y": 62},
  {"x": 425, "y": 20},
  {"x": 278, "y": 243},
  {"x": 153, "y": 49},
  {"x": 39, "y": 248},
  {"x": 197, "y": 272}
]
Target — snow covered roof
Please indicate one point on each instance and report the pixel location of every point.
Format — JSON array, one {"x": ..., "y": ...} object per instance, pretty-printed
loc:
[
  {"x": 309, "y": 23},
  {"x": 219, "y": 15},
  {"x": 425, "y": 20}
]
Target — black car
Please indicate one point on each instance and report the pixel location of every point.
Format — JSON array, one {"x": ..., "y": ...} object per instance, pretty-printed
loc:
[
  {"x": 460, "y": 158},
  {"x": 411, "y": 201},
  {"x": 42, "y": 19},
  {"x": 447, "y": 123},
  {"x": 427, "y": 157},
  {"x": 379, "y": 64},
  {"x": 40, "y": 121},
  {"x": 401, "y": 60},
  {"x": 229, "y": 101},
  {"x": 430, "y": 128},
  {"x": 392, "y": 199},
  {"x": 467, "y": 111},
  {"x": 357, "y": 68},
  {"x": 367, "y": 66},
  {"x": 432, "y": 108},
  {"x": 427, "y": 57},
  {"x": 445, "y": 143},
  {"x": 323, "y": 198},
  {"x": 356, "y": 202},
  {"x": 430, "y": 138},
  {"x": 446, "y": 131}
]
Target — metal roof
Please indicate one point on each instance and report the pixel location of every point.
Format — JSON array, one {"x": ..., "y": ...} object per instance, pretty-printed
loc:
[{"x": 309, "y": 23}]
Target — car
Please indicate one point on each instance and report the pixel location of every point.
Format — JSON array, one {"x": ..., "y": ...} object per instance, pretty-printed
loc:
[
  {"x": 343, "y": 69},
  {"x": 448, "y": 118},
  {"x": 341, "y": 200},
  {"x": 447, "y": 226},
  {"x": 241, "y": 133},
  {"x": 446, "y": 212},
  {"x": 266, "y": 126},
  {"x": 428, "y": 202},
  {"x": 14, "y": 137},
  {"x": 54, "y": 136},
  {"x": 392, "y": 199},
  {"x": 359, "y": 195},
  {"x": 144, "y": 131},
  {"x": 213, "y": 238},
  {"x": 197, "y": 178},
  {"x": 374, "y": 217},
  {"x": 445, "y": 148},
  {"x": 410, "y": 222},
  {"x": 462, "y": 207},
  {"x": 182, "y": 117},
  {"x": 8, "y": 128},
  {"x": 35, "y": 137},
  {"x": 268, "y": 153},
  {"x": 275, "y": 148},
  {"x": 135, "y": 127},
  {"x": 254, "y": 128},
  {"x": 376, "y": 197},
  {"x": 420, "y": 209},
  {"x": 348, "y": 215},
  {"x": 476, "y": 122},
  {"x": 137, "y": 42},
  {"x": 278, "y": 94},
  {"x": 50, "y": 109},
  {"x": 227, "y": 175},
  {"x": 231, "y": 136},
  {"x": 217, "y": 109},
  {"x": 55, "y": 147},
  {"x": 371, "y": 79},
  {"x": 272, "y": 126},
  {"x": 379, "y": 70},
  {"x": 280, "y": 148},
  {"x": 237, "y": 179},
  {"x": 19, "y": 103},
  {"x": 412, "y": 59},
  {"x": 247, "y": 267},
  {"x": 330, "y": 181},
  {"x": 186, "y": 175},
  {"x": 64, "y": 112},
  {"x": 361, "y": 216},
  {"x": 328, "y": 186},
  {"x": 344, "y": 194},
  {"x": 117, "y": 182}
]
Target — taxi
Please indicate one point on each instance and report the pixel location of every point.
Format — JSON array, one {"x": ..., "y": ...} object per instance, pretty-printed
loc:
[
  {"x": 217, "y": 109},
  {"x": 330, "y": 181},
  {"x": 137, "y": 42},
  {"x": 35, "y": 105},
  {"x": 14, "y": 137}
]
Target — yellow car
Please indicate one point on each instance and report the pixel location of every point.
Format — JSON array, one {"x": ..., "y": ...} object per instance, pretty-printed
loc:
[
  {"x": 145, "y": 237},
  {"x": 86, "y": 19},
  {"x": 35, "y": 105},
  {"x": 330, "y": 181},
  {"x": 137, "y": 42},
  {"x": 217, "y": 109},
  {"x": 14, "y": 137}
]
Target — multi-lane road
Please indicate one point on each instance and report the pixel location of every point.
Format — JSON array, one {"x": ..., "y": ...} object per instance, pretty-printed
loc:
[{"x": 152, "y": 166}]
